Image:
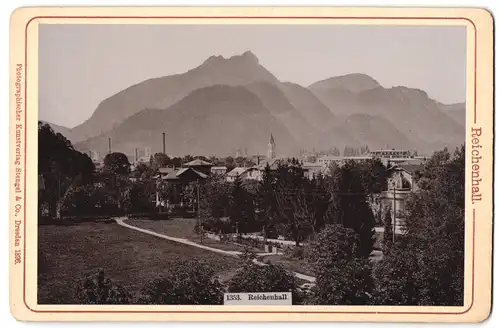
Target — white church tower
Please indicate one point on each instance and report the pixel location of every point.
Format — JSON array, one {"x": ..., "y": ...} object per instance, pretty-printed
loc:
[{"x": 271, "y": 148}]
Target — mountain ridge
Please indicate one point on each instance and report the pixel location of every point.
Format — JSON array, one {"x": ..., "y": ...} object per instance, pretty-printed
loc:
[{"x": 320, "y": 116}]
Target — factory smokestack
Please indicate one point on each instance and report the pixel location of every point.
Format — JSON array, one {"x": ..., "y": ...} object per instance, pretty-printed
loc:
[{"x": 164, "y": 142}]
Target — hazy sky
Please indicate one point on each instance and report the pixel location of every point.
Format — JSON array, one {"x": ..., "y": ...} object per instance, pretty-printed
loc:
[{"x": 81, "y": 65}]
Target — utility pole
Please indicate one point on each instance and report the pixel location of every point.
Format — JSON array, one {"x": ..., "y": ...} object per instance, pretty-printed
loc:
[
  {"x": 200, "y": 221},
  {"x": 265, "y": 236},
  {"x": 394, "y": 212},
  {"x": 58, "y": 212},
  {"x": 109, "y": 145}
]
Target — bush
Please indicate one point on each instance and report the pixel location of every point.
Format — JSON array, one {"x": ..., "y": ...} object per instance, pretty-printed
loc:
[
  {"x": 255, "y": 278},
  {"x": 155, "y": 215},
  {"x": 136, "y": 198},
  {"x": 248, "y": 255},
  {"x": 191, "y": 282},
  {"x": 97, "y": 289},
  {"x": 342, "y": 277},
  {"x": 88, "y": 200},
  {"x": 272, "y": 232},
  {"x": 425, "y": 266},
  {"x": 217, "y": 225},
  {"x": 294, "y": 252},
  {"x": 252, "y": 242}
]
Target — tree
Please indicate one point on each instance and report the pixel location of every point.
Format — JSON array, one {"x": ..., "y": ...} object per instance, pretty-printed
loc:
[
  {"x": 431, "y": 251},
  {"x": 347, "y": 151},
  {"x": 374, "y": 175},
  {"x": 176, "y": 162},
  {"x": 186, "y": 159},
  {"x": 89, "y": 200},
  {"x": 240, "y": 161},
  {"x": 230, "y": 163},
  {"x": 214, "y": 205},
  {"x": 116, "y": 163},
  {"x": 137, "y": 198},
  {"x": 342, "y": 277},
  {"x": 388, "y": 231},
  {"x": 265, "y": 199},
  {"x": 241, "y": 209},
  {"x": 98, "y": 289},
  {"x": 349, "y": 204},
  {"x": 159, "y": 160},
  {"x": 253, "y": 278},
  {"x": 142, "y": 172},
  {"x": 290, "y": 200},
  {"x": 319, "y": 200},
  {"x": 60, "y": 166},
  {"x": 190, "y": 282}
]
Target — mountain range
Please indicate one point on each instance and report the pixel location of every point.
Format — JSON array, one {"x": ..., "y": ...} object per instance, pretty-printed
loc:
[{"x": 235, "y": 103}]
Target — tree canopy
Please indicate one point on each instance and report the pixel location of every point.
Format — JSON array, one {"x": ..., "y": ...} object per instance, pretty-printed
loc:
[
  {"x": 430, "y": 254},
  {"x": 60, "y": 166},
  {"x": 116, "y": 163}
]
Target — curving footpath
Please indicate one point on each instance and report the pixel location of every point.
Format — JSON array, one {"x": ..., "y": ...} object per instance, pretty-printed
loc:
[{"x": 121, "y": 221}]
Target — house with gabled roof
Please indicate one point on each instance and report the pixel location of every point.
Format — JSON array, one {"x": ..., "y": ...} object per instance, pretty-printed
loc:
[
  {"x": 244, "y": 173},
  {"x": 176, "y": 180},
  {"x": 199, "y": 165}
]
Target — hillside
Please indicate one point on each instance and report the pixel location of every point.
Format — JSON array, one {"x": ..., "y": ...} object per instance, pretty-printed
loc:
[
  {"x": 199, "y": 118},
  {"x": 211, "y": 120},
  {"x": 66, "y": 132},
  {"x": 162, "y": 92}
]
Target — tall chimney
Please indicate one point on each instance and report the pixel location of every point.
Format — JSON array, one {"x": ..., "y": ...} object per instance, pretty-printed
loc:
[
  {"x": 109, "y": 145},
  {"x": 136, "y": 156},
  {"x": 164, "y": 142}
]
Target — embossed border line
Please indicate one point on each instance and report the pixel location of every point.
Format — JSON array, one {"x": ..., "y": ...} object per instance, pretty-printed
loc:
[{"x": 240, "y": 18}]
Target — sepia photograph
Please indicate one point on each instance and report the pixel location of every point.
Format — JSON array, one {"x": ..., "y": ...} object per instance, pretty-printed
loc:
[
  {"x": 247, "y": 168},
  {"x": 178, "y": 163}
]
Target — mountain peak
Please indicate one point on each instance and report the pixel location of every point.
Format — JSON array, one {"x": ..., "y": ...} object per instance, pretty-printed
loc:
[
  {"x": 247, "y": 56},
  {"x": 355, "y": 82}
]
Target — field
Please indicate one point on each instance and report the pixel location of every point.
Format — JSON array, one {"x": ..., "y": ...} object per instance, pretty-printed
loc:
[
  {"x": 291, "y": 264},
  {"x": 184, "y": 228},
  {"x": 128, "y": 257}
]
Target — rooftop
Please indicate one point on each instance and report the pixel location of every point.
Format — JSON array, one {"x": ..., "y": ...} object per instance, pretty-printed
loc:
[
  {"x": 198, "y": 162},
  {"x": 175, "y": 175}
]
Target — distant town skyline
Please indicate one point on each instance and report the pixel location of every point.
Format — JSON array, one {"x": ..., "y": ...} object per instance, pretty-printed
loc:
[{"x": 81, "y": 65}]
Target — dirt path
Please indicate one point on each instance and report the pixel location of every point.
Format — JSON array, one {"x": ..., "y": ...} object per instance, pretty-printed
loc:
[{"x": 121, "y": 221}]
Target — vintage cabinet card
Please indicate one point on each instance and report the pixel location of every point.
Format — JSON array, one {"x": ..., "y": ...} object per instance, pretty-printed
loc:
[{"x": 251, "y": 164}]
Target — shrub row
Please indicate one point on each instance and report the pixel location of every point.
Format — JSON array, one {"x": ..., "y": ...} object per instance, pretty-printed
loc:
[
  {"x": 191, "y": 282},
  {"x": 248, "y": 241}
]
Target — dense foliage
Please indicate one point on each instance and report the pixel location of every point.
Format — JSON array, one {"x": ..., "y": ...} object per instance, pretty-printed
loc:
[
  {"x": 253, "y": 278},
  {"x": 426, "y": 265},
  {"x": 388, "y": 231},
  {"x": 190, "y": 282},
  {"x": 349, "y": 188},
  {"x": 60, "y": 166},
  {"x": 88, "y": 201},
  {"x": 99, "y": 289},
  {"x": 342, "y": 277},
  {"x": 331, "y": 215}
]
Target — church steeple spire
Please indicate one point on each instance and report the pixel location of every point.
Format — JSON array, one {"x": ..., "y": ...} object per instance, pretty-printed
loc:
[{"x": 271, "y": 148}]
